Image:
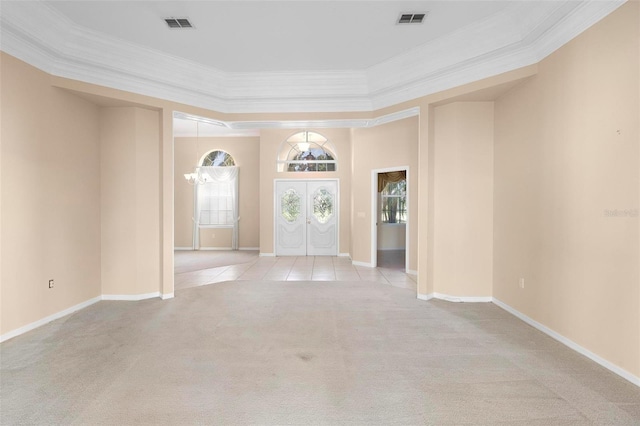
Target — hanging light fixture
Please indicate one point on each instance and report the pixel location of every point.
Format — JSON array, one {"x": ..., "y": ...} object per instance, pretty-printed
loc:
[
  {"x": 193, "y": 178},
  {"x": 304, "y": 146},
  {"x": 197, "y": 177}
]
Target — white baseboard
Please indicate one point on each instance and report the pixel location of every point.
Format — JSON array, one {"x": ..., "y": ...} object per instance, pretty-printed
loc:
[
  {"x": 130, "y": 297},
  {"x": 274, "y": 255},
  {"x": 465, "y": 299},
  {"x": 215, "y": 249},
  {"x": 165, "y": 296},
  {"x": 46, "y": 320},
  {"x": 365, "y": 264},
  {"x": 570, "y": 343},
  {"x": 79, "y": 306},
  {"x": 412, "y": 272},
  {"x": 455, "y": 299}
]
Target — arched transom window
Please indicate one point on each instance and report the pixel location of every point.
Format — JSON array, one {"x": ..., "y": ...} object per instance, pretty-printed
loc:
[
  {"x": 217, "y": 159},
  {"x": 307, "y": 152}
]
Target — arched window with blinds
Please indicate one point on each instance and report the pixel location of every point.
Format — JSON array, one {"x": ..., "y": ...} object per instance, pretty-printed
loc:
[{"x": 217, "y": 197}]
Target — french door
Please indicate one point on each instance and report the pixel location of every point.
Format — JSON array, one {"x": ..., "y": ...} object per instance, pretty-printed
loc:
[{"x": 306, "y": 222}]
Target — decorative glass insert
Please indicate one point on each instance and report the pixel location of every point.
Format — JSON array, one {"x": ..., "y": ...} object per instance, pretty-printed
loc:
[
  {"x": 312, "y": 160},
  {"x": 322, "y": 205},
  {"x": 290, "y": 205},
  {"x": 218, "y": 159},
  {"x": 307, "y": 152}
]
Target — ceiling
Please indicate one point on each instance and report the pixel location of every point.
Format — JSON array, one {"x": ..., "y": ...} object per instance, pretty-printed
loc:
[
  {"x": 289, "y": 56},
  {"x": 259, "y": 36}
]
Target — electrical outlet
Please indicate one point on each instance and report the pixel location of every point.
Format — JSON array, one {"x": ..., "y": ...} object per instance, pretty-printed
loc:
[
  {"x": 50, "y": 283},
  {"x": 521, "y": 282}
]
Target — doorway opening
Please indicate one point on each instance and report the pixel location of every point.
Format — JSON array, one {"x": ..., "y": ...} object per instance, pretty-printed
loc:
[
  {"x": 390, "y": 210},
  {"x": 209, "y": 245}
]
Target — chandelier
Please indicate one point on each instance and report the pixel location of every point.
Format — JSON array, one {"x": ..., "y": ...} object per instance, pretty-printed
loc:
[{"x": 197, "y": 177}]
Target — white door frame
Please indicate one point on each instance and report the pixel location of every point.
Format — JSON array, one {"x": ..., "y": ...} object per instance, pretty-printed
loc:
[
  {"x": 275, "y": 207},
  {"x": 374, "y": 215}
]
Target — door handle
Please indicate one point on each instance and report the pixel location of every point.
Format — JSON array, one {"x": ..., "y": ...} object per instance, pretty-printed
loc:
[{"x": 308, "y": 221}]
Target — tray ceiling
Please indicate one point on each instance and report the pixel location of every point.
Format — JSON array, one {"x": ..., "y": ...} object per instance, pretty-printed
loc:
[{"x": 289, "y": 56}]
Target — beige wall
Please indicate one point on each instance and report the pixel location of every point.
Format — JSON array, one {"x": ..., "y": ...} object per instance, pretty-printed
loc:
[
  {"x": 463, "y": 199},
  {"x": 387, "y": 146},
  {"x": 270, "y": 144},
  {"x": 246, "y": 153},
  {"x": 130, "y": 201},
  {"x": 50, "y": 197},
  {"x": 566, "y": 153}
]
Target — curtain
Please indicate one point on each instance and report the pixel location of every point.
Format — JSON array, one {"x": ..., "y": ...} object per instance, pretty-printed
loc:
[
  {"x": 384, "y": 178},
  {"x": 217, "y": 200}
]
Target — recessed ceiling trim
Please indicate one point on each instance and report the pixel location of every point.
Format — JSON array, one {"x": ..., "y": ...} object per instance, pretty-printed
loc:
[
  {"x": 40, "y": 35},
  {"x": 304, "y": 124},
  {"x": 211, "y": 121}
]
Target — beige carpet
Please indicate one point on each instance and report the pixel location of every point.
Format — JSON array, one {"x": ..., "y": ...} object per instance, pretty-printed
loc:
[{"x": 298, "y": 353}]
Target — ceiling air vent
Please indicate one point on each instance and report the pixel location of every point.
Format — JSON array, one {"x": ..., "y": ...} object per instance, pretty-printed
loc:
[
  {"x": 412, "y": 18},
  {"x": 178, "y": 23}
]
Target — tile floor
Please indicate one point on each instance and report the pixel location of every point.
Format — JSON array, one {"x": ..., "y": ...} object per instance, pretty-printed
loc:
[{"x": 307, "y": 268}]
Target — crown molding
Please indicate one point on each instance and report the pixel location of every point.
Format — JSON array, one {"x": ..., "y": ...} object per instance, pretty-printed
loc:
[
  {"x": 573, "y": 24},
  {"x": 304, "y": 124},
  {"x": 522, "y": 34},
  {"x": 24, "y": 34},
  {"x": 524, "y": 42}
]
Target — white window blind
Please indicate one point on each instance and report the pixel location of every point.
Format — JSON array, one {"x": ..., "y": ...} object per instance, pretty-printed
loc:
[
  {"x": 217, "y": 200},
  {"x": 216, "y": 203}
]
